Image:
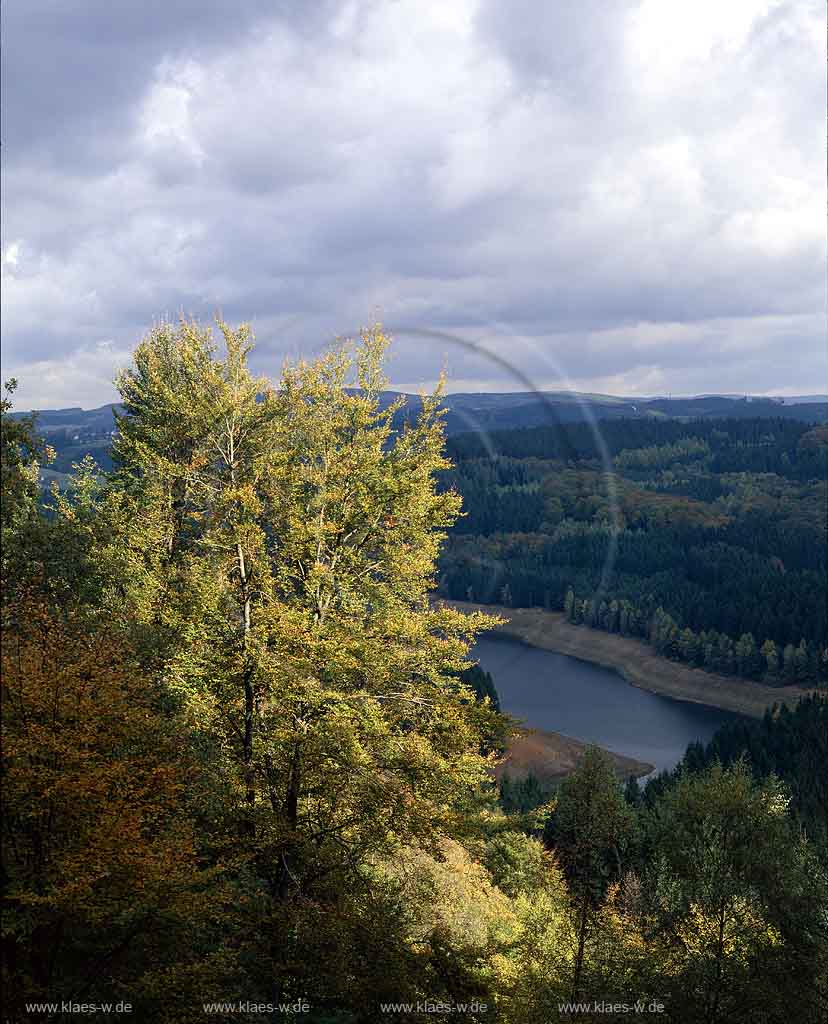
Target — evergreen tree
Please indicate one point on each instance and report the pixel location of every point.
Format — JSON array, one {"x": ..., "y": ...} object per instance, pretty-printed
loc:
[
  {"x": 770, "y": 654},
  {"x": 590, "y": 831},
  {"x": 632, "y": 792}
]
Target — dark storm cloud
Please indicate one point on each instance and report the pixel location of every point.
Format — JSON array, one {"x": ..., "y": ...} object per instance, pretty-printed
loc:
[
  {"x": 626, "y": 194},
  {"x": 72, "y": 73}
]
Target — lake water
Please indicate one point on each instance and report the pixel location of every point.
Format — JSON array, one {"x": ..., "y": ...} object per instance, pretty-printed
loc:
[{"x": 553, "y": 691}]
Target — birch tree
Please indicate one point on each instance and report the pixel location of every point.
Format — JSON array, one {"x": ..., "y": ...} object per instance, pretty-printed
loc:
[{"x": 284, "y": 539}]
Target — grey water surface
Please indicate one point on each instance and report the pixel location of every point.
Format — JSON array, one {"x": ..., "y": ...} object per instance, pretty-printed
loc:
[{"x": 594, "y": 704}]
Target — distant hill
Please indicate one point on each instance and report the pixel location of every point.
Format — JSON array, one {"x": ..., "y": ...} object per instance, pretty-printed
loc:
[
  {"x": 74, "y": 419},
  {"x": 74, "y": 431},
  {"x": 529, "y": 409}
]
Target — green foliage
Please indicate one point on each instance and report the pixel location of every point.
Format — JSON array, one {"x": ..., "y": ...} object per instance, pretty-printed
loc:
[
  {"x": 482, "y": 684},
  {"x": 516, "y": 862},
  {"x": 731, "y": 944},
  {"x": 523, "y": 794},
  {"x": 632, "y": 792},
  {"x": 21, "y": 454},
  {"x": 246, "y": 756},
  {"x": 788, "y": 743},
  {"x": 283, "y": 545},
  {"x": 591, "y": 828},
  {"x": 661, "y": 456},
  {"x": 716, "y": 535},
  {"x": 22, "y": 451}
]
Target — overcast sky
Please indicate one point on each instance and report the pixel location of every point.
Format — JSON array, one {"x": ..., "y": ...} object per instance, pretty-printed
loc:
[{"x": 623, "y": 197}]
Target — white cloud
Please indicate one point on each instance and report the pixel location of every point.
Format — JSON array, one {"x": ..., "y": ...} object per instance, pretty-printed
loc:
[
  {"x": 670, "y": 40},
  {"x": 619, "y": 183},
  {"x": 10, "y": 255},
  {"x": 82, "y": 378}
]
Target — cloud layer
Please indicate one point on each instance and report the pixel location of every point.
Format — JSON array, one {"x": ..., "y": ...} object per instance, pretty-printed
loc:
[{"x": 627, "y": 197}]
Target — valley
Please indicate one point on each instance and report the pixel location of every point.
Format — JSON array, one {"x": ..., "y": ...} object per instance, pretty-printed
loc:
[{"x": 637, "y": 663}]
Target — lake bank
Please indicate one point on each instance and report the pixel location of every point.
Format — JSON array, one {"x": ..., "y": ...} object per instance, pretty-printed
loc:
[
  {"x": 592, "y": 704},
  {"x": 550, "y": 756},
  {"x": 635, "y": 661}
]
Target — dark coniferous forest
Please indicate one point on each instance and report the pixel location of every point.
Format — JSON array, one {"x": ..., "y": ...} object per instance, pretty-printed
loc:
[
  {"x": 789, "y": 743},
  {"x": 706, "y": 538}
]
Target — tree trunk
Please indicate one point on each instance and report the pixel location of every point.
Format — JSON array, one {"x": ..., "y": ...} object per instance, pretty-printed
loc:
[
  {"x": 579, "y": 960},
  {"x": 713, "y": 1007},
  {"x": 291, "y": 816},
  {"x": 249, "y": 703}
]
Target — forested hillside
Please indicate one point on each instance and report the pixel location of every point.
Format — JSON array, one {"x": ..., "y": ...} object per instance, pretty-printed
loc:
[
  {"x": 75, "y": 432},
  {"x": 789, "y": 743},
  {"x": 248, "y": 766},
  {"x": 706, "y": 538}
]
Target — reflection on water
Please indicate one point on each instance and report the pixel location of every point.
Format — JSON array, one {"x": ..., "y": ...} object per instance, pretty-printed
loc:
[{"x": 593, "y": 704}]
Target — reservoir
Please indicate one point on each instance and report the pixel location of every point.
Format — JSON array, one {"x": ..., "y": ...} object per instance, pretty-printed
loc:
[{"x": 587, "y": 702}]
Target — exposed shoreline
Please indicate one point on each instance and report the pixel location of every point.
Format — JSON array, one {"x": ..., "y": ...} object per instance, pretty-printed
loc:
[
  {"x": 635, "y": 661},
  {"x": 551, "y": 756}
]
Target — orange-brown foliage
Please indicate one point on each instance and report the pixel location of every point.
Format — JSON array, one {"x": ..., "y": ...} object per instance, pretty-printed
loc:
[{"x": 98, "y": 858}]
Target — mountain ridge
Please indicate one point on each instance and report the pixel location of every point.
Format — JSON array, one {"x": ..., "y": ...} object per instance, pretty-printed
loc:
[{"x": 501, "y": 403}]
